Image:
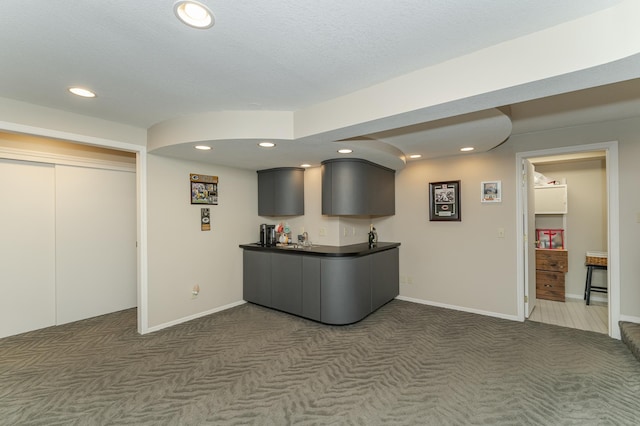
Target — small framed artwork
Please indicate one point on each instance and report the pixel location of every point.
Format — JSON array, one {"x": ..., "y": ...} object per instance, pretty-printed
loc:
[
  {"x": 491, "y": 191},
  {"x": 444, "y": 201},
  {"x": 204, "y": 189}
]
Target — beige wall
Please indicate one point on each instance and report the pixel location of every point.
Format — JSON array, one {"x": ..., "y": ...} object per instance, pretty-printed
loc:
[
  {"x": 180, "y": 255},
  {"x": 458, "y": 264},
  {"x": 627, "y": 133},
  {"x": 586, "y": 220}
]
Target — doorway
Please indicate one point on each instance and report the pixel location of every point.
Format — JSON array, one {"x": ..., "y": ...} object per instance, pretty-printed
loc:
[{"x": 526, "y": 239}]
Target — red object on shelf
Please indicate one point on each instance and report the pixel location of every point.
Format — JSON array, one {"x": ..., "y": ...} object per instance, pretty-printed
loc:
[{"x": 550, "y": 239}]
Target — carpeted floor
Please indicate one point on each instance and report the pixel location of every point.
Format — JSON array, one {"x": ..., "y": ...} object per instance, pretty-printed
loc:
[{"x": 406, "y": 364}]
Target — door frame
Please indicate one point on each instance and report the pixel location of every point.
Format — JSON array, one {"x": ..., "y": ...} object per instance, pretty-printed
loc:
[
  {"x": 613, "y": 225},
  {"x": 141, "y": 199}
]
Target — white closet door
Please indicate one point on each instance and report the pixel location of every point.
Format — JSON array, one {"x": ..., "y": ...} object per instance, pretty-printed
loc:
[
  {"x": 95, "y": 242},
  {"x": 27, "y": 247}
]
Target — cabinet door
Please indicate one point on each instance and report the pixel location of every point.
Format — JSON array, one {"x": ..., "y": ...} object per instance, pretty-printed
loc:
[
  {"x": 551, "y": 199},
  {"x": 552, "y": 260},
  {"x": 311, "y": 287},
  {"x": 266, "y": 196},
  {"x": 382, "y": 191},
  {"x": 256, "y": 279},
  {"x": 349, "y": 187},
  {"x": 384, "y": 277},
  {"x": 346, "y": 289},
  {"x": 550, "y": 285},
  {"x": 286, "y": 282},
  {"x": 289, "y": 192}
]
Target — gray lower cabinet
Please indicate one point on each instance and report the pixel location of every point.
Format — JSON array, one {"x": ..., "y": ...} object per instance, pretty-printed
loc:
[
  {"x": 256, "y": 281},
  {"x": 384, "y": 277},
  {"x": 311, "y": 287},
  {"x": 346, "y": 290},
  {"x": 286, "y": 276},
  {"x": 332, "y": 290}
]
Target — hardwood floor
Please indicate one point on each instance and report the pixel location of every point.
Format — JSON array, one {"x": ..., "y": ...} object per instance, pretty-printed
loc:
[{"x": 572, "y": 313}]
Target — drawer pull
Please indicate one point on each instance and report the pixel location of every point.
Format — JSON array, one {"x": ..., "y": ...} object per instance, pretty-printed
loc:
[{"x": 548, "y": 285}]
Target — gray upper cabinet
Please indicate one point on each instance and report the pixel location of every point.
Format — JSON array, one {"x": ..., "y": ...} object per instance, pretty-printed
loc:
[
  {"x": 357, "y": 187},
  {"x": 281, "y": 192}
]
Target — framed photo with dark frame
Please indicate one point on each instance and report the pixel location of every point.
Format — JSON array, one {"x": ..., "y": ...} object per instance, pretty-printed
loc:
[
  {"x": 444, "y": 201},
  {"x": 204, "y": 189}
]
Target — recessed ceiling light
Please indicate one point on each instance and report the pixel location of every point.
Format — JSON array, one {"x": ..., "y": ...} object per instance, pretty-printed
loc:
[
  {"x": 202, "y": 147},
  {"x": 415, "y": 156},
  {"x": 194, "y": 14},
  {"x": 267, "y": 144},
  {"x": 85, "y": 93},
  {"x": 305, "y": 165},
  {"x": 345, "y": 151},
  {"x": 467, "y": 149}
]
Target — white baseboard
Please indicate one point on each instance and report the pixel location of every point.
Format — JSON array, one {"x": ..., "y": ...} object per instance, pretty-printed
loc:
[
  {"x": 594, "y": 297},
  {"x": 459, "y": 308},
  {"x": 629, "y": 318},
  {"x": 194, "y": 316}
]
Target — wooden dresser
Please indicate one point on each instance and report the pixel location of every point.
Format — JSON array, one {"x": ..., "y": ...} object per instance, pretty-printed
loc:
[{"x": 551, "y": 265}]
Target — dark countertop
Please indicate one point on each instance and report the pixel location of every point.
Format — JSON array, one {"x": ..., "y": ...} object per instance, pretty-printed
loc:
[{"x": 352, "y": 250}]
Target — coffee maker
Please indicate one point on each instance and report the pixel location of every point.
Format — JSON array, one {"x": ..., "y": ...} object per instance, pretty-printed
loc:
[{"x": 267, "y": 235}]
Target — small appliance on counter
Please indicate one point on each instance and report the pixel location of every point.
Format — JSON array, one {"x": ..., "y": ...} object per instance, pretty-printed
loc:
[
  {"x": 267, "y": 235},
  {"x": 373, "y": 236}
]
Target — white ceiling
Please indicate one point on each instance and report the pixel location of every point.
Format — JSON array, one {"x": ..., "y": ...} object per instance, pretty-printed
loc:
[{"x": 280, "y": 55}]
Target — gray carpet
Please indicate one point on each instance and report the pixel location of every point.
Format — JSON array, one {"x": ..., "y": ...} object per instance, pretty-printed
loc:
[{"x": 406, "y": 364}]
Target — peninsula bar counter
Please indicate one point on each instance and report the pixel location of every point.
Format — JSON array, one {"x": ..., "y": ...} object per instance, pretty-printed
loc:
[{"x": 330, "y": 284}]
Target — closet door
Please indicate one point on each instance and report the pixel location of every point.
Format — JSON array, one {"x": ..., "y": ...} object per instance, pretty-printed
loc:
[
  {"x": 95, "y": 242},
  {"x": 27, "y": 247}
]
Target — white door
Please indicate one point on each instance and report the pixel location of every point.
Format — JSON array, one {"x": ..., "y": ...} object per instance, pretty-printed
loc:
[
  {"x": 95, "y": 242},
  {"x": 529, "y": 237},
  {"x": 27, "y": 247}
]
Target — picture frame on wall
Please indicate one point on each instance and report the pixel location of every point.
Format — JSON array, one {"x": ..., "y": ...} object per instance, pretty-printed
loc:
[
  {"x": 204, "y": 189},
  {"x": 491, "y": 191},
  {"x": 444, "y": 201}
]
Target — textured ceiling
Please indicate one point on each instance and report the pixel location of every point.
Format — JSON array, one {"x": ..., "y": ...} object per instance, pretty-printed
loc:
[{"x": 271, "y": 55}]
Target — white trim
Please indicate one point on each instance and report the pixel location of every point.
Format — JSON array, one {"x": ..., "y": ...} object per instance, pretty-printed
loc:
[
  {"x": 595, "y": 297},
  {"x": 629, "y": 318},
  {"x": 141, "y": 179},
  {"x": 66, "y": 160},
  {"x": 195, "y": 316},
  {"x": 613, "y": 215},
  {"x": 459, "y": 308}
]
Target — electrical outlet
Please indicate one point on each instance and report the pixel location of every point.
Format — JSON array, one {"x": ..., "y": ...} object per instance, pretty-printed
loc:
[
  {"x": 409, "y": 279},
  {"x": 195, "y": 291},
  {"x": 323, "y": 232},
  {"x": 344, "y": 231},
  {"x": 500, "y": 232}
]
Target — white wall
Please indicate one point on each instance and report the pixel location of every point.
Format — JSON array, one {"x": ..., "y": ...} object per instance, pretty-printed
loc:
[{"x": 180, "y": 255}]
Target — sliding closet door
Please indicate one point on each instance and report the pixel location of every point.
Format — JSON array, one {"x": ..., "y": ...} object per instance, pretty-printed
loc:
[
  {"x": 95, "y": 242},
  {"x": 27, "y": 247}
]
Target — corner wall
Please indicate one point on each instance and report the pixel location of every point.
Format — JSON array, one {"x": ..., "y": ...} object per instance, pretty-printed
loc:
[
  {"x": 464, "y": 265},
  {"x": 180, "y": 255}
]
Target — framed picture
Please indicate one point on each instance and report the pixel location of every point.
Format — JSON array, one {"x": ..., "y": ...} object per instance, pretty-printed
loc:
[
  {"x": 444, "y": 201},
  {"x": 204, "y": 189},
  {"x": 491, "y": 191}
]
